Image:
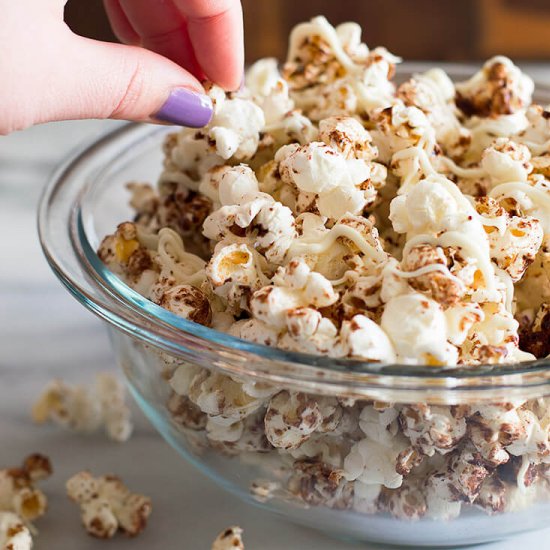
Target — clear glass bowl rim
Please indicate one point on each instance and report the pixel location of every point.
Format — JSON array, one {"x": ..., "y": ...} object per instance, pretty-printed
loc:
[{"x": 68, "y": 251}]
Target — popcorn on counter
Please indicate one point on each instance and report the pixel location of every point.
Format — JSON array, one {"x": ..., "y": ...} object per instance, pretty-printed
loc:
[
  {"x": 107, "y": 505},
  {"x": 86, "y": 409},
  {"x": 229, "y": 539}
]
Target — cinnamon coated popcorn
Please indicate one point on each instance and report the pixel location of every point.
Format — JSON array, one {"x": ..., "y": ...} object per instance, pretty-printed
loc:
[
  {"x": 19, "y": 495},
  {"x": 327, "y": 210},
  {"x": 86, "y": 409},
  {"x": 14, "y": 534},
  {"x": 229, "y": 539},
  {"x": 107, "y": 505}
]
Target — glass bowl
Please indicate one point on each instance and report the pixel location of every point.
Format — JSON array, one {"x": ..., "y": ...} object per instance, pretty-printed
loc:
[{"x": 386, "y": 453}]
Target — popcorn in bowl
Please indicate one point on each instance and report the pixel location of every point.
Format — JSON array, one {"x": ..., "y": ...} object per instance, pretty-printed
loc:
[{"x": 326, "y": 210}]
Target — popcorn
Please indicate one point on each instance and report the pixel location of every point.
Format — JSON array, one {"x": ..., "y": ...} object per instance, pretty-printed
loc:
[
  {"x": 319, "y": 169},
  {"x": 323, "y": 211},
  {"x": 399, "y": 128},
  {"x": 125, "y": 255},
  {"x": 362, "y": 338},
  {"x": 347, "y": 135},
  {"x": 107, "y": 505},
  {"x": 432, "y": 429},
  {"x": 265, "y": 221},
  {"x": 294, "y": 286},
  {"x": 406, "y": 502},
  {"x": 499, "y": 88},
  {"x": 291, "y": 418},
  {"x": 14, "y": 534},
  {"x": 18, "y": 494},
  {"x": 424, "y": 336},
  {"x": 433, "y": 92},
  {"x": 506, "y": 161},
  {"x": 316, "y": 483},
  {"x": 269, "y": 90},
  {"x": 218, "y": 395},
  {"x": 235, "y": 273},
  {"x": 229, "y": 539},
  {"x": 188, "y": 302},
  {"x": 84, "y": 409},
  {"x": 444, "y": 287},
  {"x": 235, "y": 126},
  {"x": 514, "y": 241},
  {"x": 537, "y": 133}
]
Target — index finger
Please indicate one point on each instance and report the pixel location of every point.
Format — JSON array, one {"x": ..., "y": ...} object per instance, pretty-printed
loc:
[{"x": 215, "y": 28}]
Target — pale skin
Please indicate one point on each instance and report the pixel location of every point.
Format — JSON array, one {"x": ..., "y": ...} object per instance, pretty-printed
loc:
[{"x": 49, "y": 73}]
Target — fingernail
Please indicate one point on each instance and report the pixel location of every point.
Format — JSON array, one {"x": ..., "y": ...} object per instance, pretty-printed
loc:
[{"x": 186, "y": 108}]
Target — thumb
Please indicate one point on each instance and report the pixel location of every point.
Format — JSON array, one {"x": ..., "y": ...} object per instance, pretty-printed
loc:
[{"x": 103, "y": 80}]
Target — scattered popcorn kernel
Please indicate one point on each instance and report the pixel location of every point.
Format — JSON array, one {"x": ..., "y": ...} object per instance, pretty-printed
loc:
[
  {"x": 86, "y": 409},
  {"x": 14, "y": 534},
  {"x": 107, "y": 505},
  {"x": 18, "y": 491},
  {"x": 229, "y": 539}
]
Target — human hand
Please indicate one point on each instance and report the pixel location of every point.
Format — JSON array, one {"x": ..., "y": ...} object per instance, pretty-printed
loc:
[{"x": 49, "y": 73}]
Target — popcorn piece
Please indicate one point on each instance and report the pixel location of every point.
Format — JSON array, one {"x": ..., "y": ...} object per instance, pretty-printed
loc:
[
  {"x": 316, "y": 55},
  {"x": 188, "y": 302},
  {"x": 84, "y": 409},
  {"x": 185, "y": 413},
  {"x": 347, "y": 135},
  {"x": 107, "y": 505},
  {"x": 292, "y": 417},
  {"x": 424, "y": 336},
  {"x": 124, "y": 254},
  {"x": 14, "y": 534},
  {"x": 445, "y": 288},
  {"x": 514, "y": 241},
  {"x": 362, "y": 338},
  {"x": 189, "y": 155},
  {"x": 229, "y": 539},
  {"x": 294, "y": 286},
  {"x": 216, "y": 394},
  {"x": 235, "y": 126},
  {"x": 432, "y": 429},
  {"x": 506, "y": 161},
  {"x": 269, "y": 90},
  {"x": 339, "y": 184},
  {"x": 268, "y": 224},
  {"x": 263, "y": 490},
  {"x": 235, "y": 273},
  {"x": 400, "y": 127},
  {"x": 492, "y": 428},
  {"x": 433, "y": 92},
  {"x": 373, "y": 459},
  {"x": 440, "y": 500},
  {"x": 406, "y": 502},
  {"x": 499, "y": 88},
  {"x": 537, "y": 133},
  {"x": 18, "y": 493},
  {"x": 317, "y": 483},
  {"x": 492, "y": 496}
]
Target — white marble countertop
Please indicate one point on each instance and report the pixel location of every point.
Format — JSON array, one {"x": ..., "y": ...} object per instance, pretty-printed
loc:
[{"x": 44, "y": 334}]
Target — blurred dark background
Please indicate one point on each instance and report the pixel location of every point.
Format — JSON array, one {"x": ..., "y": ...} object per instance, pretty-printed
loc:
[{"x": 415, "y": 29}]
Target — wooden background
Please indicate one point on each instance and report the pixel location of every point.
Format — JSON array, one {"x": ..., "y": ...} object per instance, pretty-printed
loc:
[{"x": 414, "y": 29}]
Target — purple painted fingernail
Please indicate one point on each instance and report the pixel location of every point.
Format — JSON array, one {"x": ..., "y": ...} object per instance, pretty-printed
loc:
[{"x": 186, "y": 108}]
